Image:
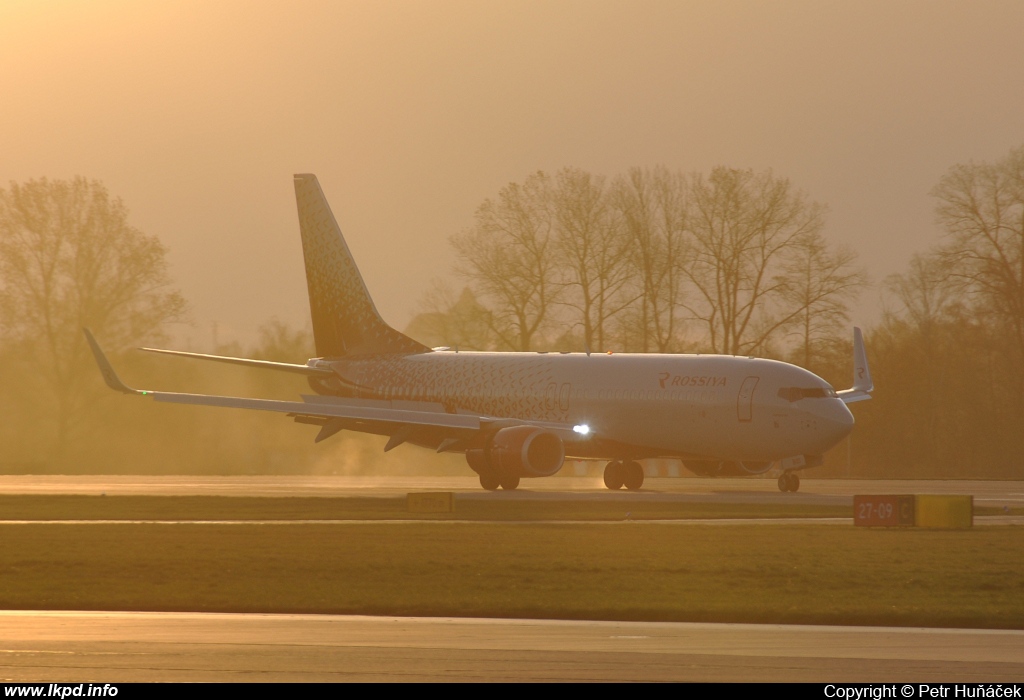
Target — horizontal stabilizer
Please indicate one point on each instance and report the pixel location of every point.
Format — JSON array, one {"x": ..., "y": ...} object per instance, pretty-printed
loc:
[{"x": 246, "y": 362}]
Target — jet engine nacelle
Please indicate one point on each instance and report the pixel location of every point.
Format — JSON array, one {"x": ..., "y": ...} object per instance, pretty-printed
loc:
[{"x": 524, "y": 451}]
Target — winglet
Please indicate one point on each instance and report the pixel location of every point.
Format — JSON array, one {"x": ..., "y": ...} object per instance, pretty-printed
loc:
[
  {"x": 862, "y": 383},
  {"x": 861, "y": 372},
  {"x": 106, "y": 369}
]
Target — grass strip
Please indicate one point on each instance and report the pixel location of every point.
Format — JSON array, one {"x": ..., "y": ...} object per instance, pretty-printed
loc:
[
  {"x": 30, "y": 507},
  {"x": 630, "y": 571}
]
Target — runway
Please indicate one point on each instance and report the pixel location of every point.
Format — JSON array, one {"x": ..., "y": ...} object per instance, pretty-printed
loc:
[
  {"x": 682, "y": 489},
  {"x": 449, "y": 523},
  {"x": 124, "y": 647}
]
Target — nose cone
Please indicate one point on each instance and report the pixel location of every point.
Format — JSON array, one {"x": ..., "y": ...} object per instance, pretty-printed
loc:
[{"x": 838, "y": 420}]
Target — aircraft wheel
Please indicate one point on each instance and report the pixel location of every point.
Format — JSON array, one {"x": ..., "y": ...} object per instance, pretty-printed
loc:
[
  {"x": 490, "y": 481},
  {"x": 789, "y": 481},
  {"x": 613, "y": 475},
  {"x": 784, "y": 482},
  {"x": 632, "y": 475},
  {"x": 509, "y": 482}
]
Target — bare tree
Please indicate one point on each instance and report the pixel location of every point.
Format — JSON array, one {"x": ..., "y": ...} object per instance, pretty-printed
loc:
[
  {"x": 652, "y": 205},
  {"x": 822, "y": 283},
  {"x": 593, "y": 252},
  {"x": 950, "y": 402},
  {"x": 981, "y": 209},
  {"x": 279, "y": 342},
  {"x": 925, "y": 293},
  {"x": 68, "y": 259},
  {"x": 929, "y": 305},
  {"x": 508, "y": 256},
  {"x": 745, "y": 228},
  {"x": 458, "y": 321}
]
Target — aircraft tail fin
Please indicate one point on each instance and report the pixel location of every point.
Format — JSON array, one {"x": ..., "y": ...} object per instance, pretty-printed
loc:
[{"x": 345, "y": 321}]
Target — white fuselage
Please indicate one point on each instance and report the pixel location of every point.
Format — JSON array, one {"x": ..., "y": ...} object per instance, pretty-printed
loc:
[{"x": 698, "y": 407}]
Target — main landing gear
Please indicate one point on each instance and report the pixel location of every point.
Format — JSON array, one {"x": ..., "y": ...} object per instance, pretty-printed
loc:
[
  {"x": 789, "y": 481},
  {"x": 624, "y": 473},
  {"x": 491, "y": 480}
]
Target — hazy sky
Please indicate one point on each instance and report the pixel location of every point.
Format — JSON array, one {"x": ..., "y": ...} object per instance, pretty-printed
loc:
[{"x": 412, "y": 113}]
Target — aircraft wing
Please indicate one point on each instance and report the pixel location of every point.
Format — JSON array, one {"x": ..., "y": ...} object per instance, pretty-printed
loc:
[
  {"x": 852, "y": 396},
  {"x": 353, "y": 409},
  {"x": 396, "y": 418}
]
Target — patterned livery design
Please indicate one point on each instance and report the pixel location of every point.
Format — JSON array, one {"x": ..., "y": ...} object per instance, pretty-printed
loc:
[
  {"x": 620, "y": 399},
  {"x": 345, "y": 321},
  {"x": 502, "y": 386},
  {"x": 552, "y": 390}
]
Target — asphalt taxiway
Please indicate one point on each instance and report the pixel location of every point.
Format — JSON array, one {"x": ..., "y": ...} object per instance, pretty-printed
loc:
[
  {"x": 682, "y": 489},
  {"x": 1005, "y": 495},
  {"x": 111, "y": 647}
]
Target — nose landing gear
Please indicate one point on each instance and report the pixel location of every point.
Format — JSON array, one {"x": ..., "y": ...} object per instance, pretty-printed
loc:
[
  {"x": 618, "y": 474},
  {"x": 789, "y": 481}
]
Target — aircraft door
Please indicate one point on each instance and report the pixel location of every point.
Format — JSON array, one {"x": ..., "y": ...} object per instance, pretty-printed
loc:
[
  {"x": 551, "y": 397},
  {"x": 745, "y": 400}
]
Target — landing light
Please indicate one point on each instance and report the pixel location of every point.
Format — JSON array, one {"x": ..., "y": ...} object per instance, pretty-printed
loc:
[{"x": 581, "y": 429}]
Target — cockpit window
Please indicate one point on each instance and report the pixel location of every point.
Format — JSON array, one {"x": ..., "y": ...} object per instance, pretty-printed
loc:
[{"x": 794, "y": 393}]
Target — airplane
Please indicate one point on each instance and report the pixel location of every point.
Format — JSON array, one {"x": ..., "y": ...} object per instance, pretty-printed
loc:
[{"x": 518, "y": 415}]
